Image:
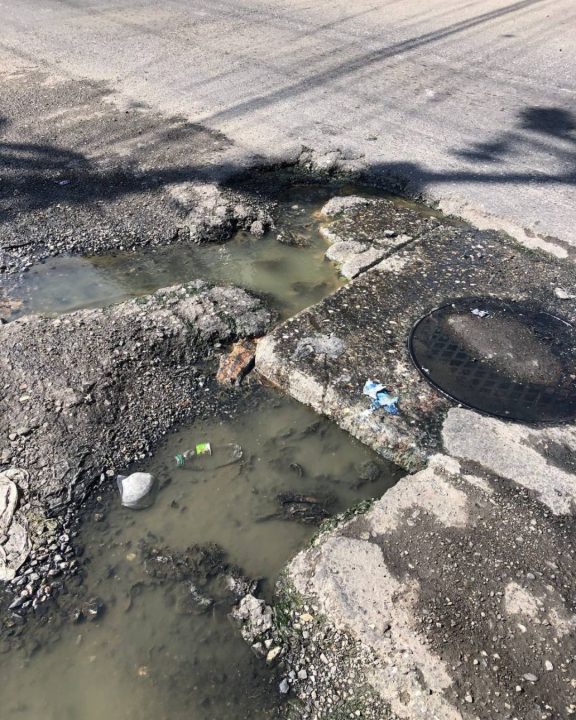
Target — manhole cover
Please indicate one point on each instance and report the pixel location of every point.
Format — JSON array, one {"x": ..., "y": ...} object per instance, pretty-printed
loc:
[{"x": 500, "y": 357}]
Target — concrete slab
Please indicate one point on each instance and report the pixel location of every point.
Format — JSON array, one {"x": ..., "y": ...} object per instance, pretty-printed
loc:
[
  {"x": 372, "y": 318},
  {"x": 461, "y": 586}
]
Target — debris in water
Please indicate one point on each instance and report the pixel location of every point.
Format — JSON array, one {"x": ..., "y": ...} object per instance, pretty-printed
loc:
[
  {"x": 207, "y": 457},
  {"x": 91, "y": 610},
  {"x": 309, "y": 509},
  {"x": 138, "y": 490},
  {"x": 381, "y": 398},
  {"x": 238, "y": 363}
]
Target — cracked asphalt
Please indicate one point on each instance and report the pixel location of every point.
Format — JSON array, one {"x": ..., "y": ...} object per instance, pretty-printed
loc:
[{"x": 470, "y": 104}]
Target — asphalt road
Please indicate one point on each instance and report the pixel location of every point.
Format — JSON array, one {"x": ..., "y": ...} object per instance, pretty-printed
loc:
[{"x": 472, "y": 102}]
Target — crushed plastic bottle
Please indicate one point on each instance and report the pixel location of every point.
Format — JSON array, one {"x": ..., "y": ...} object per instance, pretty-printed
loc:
[{"x": 205, "y": 456}]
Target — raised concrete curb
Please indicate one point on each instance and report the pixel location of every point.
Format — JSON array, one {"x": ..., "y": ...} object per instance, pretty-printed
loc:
[{"x": 459, "y": 582}]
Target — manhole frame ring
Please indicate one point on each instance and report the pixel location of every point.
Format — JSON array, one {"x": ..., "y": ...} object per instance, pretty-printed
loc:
[{"x": 478, "y": 299}]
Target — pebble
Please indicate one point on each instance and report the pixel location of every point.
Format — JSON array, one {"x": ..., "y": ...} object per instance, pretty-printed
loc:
[
  {"x": 273, "y": 654},
  {"x": 548, "y": 665},
  {"x": 284, "y": 687},
  {"x": 530, "y": 677},
  {"x": 562, "y": 294}
]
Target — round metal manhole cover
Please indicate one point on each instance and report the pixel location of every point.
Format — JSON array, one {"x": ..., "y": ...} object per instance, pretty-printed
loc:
[{"x": 500, "y": 357}]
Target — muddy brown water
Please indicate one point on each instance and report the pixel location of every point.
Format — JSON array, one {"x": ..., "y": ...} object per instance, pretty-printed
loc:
[
  {"x": 152, "y": 655},
  {"x": 148, "y": 656},
  {"x": 292, "y": 278}
]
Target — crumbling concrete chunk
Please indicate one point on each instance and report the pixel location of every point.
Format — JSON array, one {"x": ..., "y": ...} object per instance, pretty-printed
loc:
[
  {"x": 8, "y": 501},
  {"x": 15, "y": 549},
  {"x": 237, "y": 363},
  {"x": 255, "y": 617}
]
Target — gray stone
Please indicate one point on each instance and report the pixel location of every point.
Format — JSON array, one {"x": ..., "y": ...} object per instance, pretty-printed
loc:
[
  {"x": 8, "y": 501},
  {"x": 338, "y": 204},
  {"x": 138, "y": 490},
  {"x": 254, "y": 616},
  {"x": 15, "y": 550}
]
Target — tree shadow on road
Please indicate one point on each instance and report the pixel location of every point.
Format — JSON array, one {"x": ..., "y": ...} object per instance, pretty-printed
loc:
[{"x": 122, "y": 192}]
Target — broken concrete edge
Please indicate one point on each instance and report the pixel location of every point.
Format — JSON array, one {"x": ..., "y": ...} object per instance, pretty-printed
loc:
[
  {"x": 350, "y": 610},
  {"x": 158, "y": 352},
  {"x": 317, "y": 664},
  {"x": 348, "y": 163},
  {"x": 221, "y": 212},
  {"x": 319, "y": 397},
  {"x": 322, "y": 358},
  {"x": 214, "y": 213}
]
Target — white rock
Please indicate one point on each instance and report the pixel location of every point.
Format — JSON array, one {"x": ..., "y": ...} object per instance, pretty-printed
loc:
[
  {"x": 562, "y": 294},
  {"x": 8, "y": 500},
  {"x": 273, "y": 654},
  {"x": 137, "y": 490}
]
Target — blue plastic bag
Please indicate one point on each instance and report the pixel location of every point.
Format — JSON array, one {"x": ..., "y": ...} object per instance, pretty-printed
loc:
[{"x": 380, "y": 397}]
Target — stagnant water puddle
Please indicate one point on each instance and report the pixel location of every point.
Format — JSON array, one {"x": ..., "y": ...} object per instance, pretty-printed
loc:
[
  {"x": 154, "y": 645},
  {"x": 155, "y": 651},
  {"x": 292, "y": 277}
]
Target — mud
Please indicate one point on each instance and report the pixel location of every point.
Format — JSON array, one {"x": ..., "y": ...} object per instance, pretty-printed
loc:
[{"x": 88, "y": 394}]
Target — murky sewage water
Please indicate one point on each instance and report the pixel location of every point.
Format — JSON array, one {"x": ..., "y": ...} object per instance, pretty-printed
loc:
[
  {"x": 154, "y": 653},
  {"x": 292, "y": 277}
]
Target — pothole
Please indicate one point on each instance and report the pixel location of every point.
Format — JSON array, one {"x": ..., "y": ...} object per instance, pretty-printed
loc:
[
  {"x": 164, "y": 646},
  {"x": 503, "y": 358},
  {"x": 287, "y": 265},
  {"x": 160, "y": 643}
]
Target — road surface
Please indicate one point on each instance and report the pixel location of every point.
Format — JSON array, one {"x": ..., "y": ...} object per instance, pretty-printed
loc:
[{"x": 473, "y": 103}]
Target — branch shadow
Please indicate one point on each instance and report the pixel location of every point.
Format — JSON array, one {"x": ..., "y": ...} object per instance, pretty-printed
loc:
[{"x": 48, "y": 186}]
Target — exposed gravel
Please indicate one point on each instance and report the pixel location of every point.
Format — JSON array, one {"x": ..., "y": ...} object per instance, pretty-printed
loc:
[{"x": 86, "y": 394}]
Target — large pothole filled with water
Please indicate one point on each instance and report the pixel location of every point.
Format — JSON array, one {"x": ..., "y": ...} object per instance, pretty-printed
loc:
[
  {"x": 123, "y": 639},
  {"x": 157, "y": 645}
]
